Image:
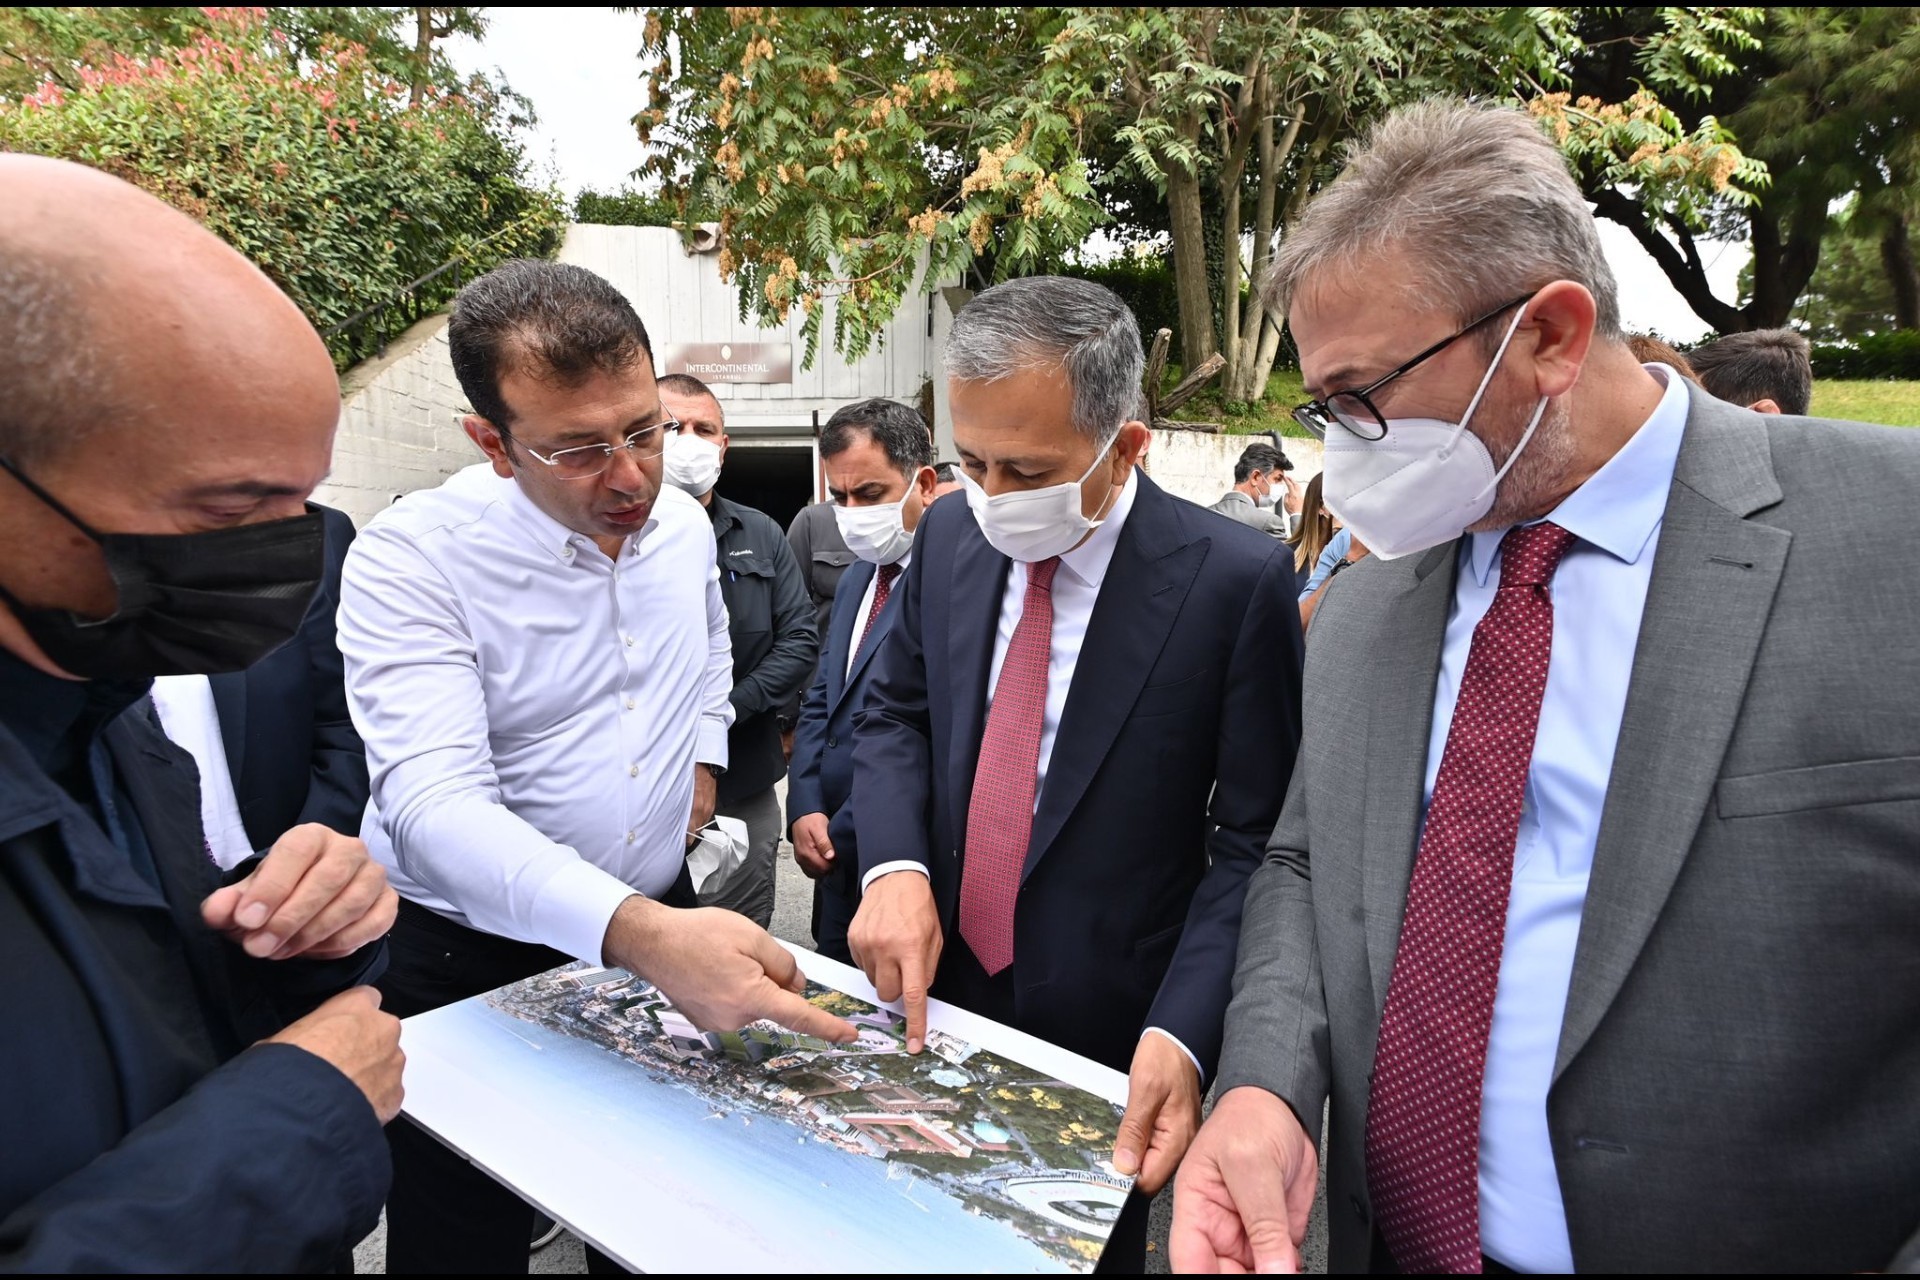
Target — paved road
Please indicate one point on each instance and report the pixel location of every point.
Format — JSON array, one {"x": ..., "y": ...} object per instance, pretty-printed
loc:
[{"x": 792, "y": 913}]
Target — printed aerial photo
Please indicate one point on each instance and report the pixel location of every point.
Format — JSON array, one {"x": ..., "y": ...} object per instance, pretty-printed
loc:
[{"x": 954, "y": 1158}]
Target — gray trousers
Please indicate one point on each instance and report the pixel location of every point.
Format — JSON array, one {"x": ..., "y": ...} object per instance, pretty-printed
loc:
[{"x": 749, "y": 890}]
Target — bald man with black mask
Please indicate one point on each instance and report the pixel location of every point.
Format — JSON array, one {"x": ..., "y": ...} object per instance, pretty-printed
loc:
[{"x": 196, "y": 1078}]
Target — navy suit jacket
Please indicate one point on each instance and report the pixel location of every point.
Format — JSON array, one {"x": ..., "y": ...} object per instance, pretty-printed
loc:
[
  {"x": 1171, "y": 760},
  {"x": 290, "y": 743},
  {"x": 821, "y": 777}
]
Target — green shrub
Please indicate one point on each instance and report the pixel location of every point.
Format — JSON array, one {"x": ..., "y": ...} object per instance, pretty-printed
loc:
[
  {"x": 316, "y": 169},
  {"x": 1881, "y": 355},
  {"x": 624, "y": 208},
  {"x": 1146, "y": 287}
]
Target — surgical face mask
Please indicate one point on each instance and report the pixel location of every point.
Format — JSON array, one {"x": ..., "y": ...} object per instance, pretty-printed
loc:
[
  {"x": 1030, "y": 525},
  {"x": 877, "y": 533},
  {"x": 1268, "y": 498},
  {"x": 691, "y": 462},
  {"x": 189, "y": 603},
  {"x": 1425, "y": 482}
]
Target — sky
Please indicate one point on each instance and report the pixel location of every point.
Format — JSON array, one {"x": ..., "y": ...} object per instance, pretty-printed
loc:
[{"x": 578, "y": 67}]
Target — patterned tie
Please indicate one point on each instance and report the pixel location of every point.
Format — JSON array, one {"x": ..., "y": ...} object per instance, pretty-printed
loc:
[
  {"x": 1423, "y": 1118},
  {"x": 882, "y": 588},
  {"x": 1000, "y": 814}
]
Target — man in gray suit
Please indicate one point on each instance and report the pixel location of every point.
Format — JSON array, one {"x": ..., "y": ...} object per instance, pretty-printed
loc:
[
  {"x": 1592, "y": 908},
  {"x": 1263, "y": 494}
]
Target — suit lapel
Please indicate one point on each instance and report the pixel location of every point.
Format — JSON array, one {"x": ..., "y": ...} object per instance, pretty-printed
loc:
[
  {"x": 1714, "y": 578},
  {"x": 1402, "y": 677},
  {"x": 973, "y": 611},
  {"x": 230, "y": 705},
  {"x": 1146, "y": 584},
  {"x": 840, "y": 677}
]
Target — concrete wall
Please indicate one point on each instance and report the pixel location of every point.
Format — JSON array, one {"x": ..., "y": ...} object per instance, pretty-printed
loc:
[
  {"x": 399, "y": 424},
  {"x": 1199, "y": 467}
]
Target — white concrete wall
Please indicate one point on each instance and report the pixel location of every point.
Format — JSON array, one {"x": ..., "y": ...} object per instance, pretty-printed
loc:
[
  {"x": 1199, "y": 467},
  {"x": 399, "y": 424}
]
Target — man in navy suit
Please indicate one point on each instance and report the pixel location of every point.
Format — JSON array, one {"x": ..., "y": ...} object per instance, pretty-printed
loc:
[
  {"x": 878, "y": 458},
  {"x": 1079, "y": 729}
]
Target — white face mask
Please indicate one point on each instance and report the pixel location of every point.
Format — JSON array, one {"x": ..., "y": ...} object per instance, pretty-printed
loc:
[
  {"x": 876, "y": 533},
  {"x": 691, "y": 462},
  {"x": 1030, "y": 525},
  {"x": 1266, "y": 499},
  {"x": 1423, "y": 483}
]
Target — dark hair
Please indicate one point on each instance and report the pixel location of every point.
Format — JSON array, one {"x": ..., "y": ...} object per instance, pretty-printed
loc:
[
  {"x": 686, "y": 384},
  {"x": 546, "y": 319},
  {"x": 1257, "y": 457},
  {"x": 947, "y": 472},
  {"x": 1762, "y": 364},
  {"x": 899, "y": 431},
  {"x": 1648, "y": 349}
]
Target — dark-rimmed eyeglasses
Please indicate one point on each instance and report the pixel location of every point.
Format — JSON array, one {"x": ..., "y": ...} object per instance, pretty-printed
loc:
[
  {"x": 586, "y": 461},
  {"x": 1355, "y": 410}
]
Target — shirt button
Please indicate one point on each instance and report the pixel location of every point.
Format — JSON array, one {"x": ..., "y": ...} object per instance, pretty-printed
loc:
[
  {"x": 633, "y": 771},
  {"x": 567, "y": 550},
  {"x": 629, "y": 837},
  {"x": 629, "y": 640},
  {"x": 629, "y": 704}
]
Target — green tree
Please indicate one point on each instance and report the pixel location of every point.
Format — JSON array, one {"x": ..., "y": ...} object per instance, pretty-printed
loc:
[
  {"x": 1852, "y": 294},
  {"x": 1824, "y": 99},
  {"x": 317, "y": 169},
  {"x": 851, "y": 153}
]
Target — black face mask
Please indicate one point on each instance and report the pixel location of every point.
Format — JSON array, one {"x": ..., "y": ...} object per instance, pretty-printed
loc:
[{"x": 190, "y": 603}]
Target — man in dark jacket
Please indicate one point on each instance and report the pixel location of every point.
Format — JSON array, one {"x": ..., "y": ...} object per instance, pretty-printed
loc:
[
  {"x": 275, "y": 745},
  {"x": 182, "y": 1095},
  {"x": 775, "y": 643}
]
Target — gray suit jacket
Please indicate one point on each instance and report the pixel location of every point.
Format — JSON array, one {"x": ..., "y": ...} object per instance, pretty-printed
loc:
[
  {"x": 1247, "y": 511},
  {"x": 1737, "y": 1086}
]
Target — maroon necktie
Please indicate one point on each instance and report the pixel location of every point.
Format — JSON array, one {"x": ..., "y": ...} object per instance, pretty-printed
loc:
[
  {"x": 1000, "y": 812},
  {"x": 882, "y": 588},
  {"x": 1423, "y": 1115}
]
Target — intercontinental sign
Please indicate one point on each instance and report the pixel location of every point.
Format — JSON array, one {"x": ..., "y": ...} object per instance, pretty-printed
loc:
[{"x": 730, "y": 361}]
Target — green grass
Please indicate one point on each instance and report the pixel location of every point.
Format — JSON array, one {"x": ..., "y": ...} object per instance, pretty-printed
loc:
[{"x": 1893, "y": 404}]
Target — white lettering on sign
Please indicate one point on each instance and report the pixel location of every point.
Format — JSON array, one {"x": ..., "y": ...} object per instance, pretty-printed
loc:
[{"x": 730, "y": 361}]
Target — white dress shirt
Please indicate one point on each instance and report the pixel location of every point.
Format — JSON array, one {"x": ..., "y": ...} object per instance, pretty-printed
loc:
[
  {"x": 1599, "y": 594},
  {"x": 866, "y": 607},
  {"x": 192, "y": 721},
  {"x": 532, "y": 709}
]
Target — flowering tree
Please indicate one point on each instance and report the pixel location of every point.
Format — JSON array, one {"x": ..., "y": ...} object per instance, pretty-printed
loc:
[{"x": 315, "y": 167}]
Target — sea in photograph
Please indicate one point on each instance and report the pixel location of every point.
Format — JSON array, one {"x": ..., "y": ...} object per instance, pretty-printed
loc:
[{"x": 729, "y": 1189}]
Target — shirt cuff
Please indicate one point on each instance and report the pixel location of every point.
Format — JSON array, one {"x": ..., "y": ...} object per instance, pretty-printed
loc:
[
  {"x": 710, "y": 742},
  {"x": 1161, "y": 1031},
  {"x": 888, "y": 868},
  {"x": 574, "y": 908}
]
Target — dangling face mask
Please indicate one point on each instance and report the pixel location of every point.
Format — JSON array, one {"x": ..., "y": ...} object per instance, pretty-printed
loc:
[
  {"x": 1030, "y": 525},
  {"x": 189, "y": 603},
  {"x": 692, "y": 462},
  {"x": 1425, "y": 482}
]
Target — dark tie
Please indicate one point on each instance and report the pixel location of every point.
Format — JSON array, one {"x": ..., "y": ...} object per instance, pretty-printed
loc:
[
  {"x": 1000, "y": 812},
  {"x": 882, "y": 588},
  {"x": 1423, "y": 1115}
]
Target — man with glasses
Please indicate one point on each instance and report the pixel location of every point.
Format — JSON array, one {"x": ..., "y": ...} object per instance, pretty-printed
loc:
[
  {"x": 537, "y": 658},
  {"x": 1590, "y": 912}
]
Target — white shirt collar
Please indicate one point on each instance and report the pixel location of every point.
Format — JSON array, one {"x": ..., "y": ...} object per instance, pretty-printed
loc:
[
  {"x": 563, "y": 542},
  {"x": 1088, "y": 561}
]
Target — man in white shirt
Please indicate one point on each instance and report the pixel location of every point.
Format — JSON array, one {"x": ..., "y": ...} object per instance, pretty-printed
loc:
[{"x": 537, "y": 659}]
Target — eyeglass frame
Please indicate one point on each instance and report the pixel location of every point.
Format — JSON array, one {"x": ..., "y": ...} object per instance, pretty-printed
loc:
[
  {"x": 667, "y": 427},
  {"x": 1315, "y": 414}
]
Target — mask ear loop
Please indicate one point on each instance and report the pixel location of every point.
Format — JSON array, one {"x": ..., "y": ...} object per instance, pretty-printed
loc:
[
  {"x": 1485, "y": 382},
  {"x": 59, "y": 507}
]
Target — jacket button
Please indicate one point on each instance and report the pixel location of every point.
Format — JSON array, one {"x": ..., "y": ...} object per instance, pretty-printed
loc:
[
  {"x": 1359, "y": 1210},
  {"x": 833, "y": 742}
]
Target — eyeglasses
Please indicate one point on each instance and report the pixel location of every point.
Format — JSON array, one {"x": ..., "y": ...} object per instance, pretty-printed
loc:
[
  {"x": 590, "y": 460},
  {"x": 1354, "y": 410}
]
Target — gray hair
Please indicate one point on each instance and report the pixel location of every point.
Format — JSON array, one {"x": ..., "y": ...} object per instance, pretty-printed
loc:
[
  {"x": 1042, "y": 322},
  {"x": 1762, "y": 364},
  {"x": 1478, "y": 198},
  {"x": 56, "y": 390}
]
